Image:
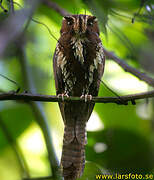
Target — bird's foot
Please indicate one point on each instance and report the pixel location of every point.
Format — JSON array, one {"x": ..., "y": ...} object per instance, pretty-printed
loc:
[
  {"x": 87, "y": 97},
  {"x": 62, "y": 96}
]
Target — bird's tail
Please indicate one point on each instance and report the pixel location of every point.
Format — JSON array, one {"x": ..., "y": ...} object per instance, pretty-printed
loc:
[{"x": 73, "y": 153}]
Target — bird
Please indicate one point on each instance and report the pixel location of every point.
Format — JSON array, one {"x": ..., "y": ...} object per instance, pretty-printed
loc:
[{"x": 78, "y": 65}]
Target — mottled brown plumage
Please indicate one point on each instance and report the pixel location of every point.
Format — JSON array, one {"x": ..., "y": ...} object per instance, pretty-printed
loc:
[{"x": 78, "y": 67}]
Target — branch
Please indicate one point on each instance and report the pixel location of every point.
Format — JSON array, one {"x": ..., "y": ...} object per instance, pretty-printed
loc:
[
  {"x": 47, "y": 98},
  {"x": 127, "y": 68},
  {"x": 54, "y": 6}
]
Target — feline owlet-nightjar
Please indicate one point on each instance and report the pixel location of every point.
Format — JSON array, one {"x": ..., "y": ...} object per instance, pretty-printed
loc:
[{"x": 78, "y": 67}]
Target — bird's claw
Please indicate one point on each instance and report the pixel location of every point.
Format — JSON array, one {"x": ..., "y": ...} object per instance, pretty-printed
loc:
[
  {"x": 86, "y": 97},
  {"x": 62, "y": 96}
]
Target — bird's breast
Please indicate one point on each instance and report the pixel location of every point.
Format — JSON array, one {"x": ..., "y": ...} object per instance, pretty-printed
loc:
[{"x": 78, "y": 64}]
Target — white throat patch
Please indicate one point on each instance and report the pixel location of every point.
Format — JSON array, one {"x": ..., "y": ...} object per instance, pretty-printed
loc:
[{"x": 78, "y": 49}]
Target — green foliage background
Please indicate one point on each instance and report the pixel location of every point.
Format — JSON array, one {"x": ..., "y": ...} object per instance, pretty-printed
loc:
[{"x": 127, "y": 131}]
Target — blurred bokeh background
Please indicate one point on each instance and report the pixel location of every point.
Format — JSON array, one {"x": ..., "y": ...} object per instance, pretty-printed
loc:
[{"x": 120, "y": 138}]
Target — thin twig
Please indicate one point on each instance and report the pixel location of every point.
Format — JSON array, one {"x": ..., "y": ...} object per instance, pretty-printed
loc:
[
  {"x": 130, "y": 69},
  {"x": 38, "y": 22},
  {"x": 5, "y": 10},
  {"x": 47, "y": 98},
  {"x": 14, "y": 82},
  {"x": 56, "y": 7},
  {"x": 113, "y": 92}
]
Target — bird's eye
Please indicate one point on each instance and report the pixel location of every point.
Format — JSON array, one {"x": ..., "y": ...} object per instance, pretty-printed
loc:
[
  {"x": 90, "y": 23},
  {"x": 69, "y": 20},
  {"x": 91, "y": 20}
]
